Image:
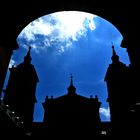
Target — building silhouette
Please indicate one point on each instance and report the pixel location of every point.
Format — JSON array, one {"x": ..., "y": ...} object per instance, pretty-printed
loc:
[
  {"x": 35, "y": 9},
  {"x": 123, "y": 98},
  {"x": 72, "y": 114},
  {"x": 20, "y": 91}
]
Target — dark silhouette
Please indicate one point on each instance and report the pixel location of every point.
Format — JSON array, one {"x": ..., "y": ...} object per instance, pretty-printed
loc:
[
  {"x": 10, "y": 124},
  {"x": 125, "y": 24},
  {"x": 5, "y": 56},
  {"x": 124, "y": 100},
  {"x": 72, "y": 114},
  {"x": 20, "y": 90}
]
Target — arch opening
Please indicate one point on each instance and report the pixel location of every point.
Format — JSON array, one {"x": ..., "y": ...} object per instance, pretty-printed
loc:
[{"x": 65, "y": 42}]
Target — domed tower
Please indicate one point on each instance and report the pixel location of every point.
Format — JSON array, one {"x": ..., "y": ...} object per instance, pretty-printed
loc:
[
  {"x": 21, "y": 89},
  {"x": 71, "y": 88}
]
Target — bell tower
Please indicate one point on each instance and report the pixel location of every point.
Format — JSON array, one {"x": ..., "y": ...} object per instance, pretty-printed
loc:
[{"x": 21, "y": 89}]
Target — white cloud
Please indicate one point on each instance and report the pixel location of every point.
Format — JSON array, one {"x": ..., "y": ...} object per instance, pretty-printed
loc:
[
  {"x": 36, "y": 27},
  {"x": 61, "y": 50},
  {"x": 11, "y": 63},
  {"x": 105, "y": 112},
  {"x": 71, "y": 23},
  {"x": 60, "y": 27}
]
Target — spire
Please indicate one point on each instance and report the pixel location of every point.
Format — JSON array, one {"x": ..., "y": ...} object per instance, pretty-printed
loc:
[
  {"x": 71, "y": 82},
  {"x": 113, "y": 50},
  {"x": 27, "y": 58},
  {"x": 71, "y": 88},
  {"x": 115, "y": 57}
]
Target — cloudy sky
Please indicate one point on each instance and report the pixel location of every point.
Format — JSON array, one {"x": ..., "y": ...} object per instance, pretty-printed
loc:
[{"x": 70, "y": 42}]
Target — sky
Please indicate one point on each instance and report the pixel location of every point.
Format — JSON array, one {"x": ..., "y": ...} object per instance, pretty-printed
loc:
[{"x": 68, "y": 42}]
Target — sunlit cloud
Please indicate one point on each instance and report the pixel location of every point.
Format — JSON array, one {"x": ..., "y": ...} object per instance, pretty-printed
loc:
[
  {"x": 11, "y": 63},
  {"x": 105, "y": 112},
  {"x": 73, "y": 24},
  {"x": 61, "y": 27}
]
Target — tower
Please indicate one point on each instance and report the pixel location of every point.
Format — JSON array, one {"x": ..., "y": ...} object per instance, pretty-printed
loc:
[
  {"x": 118, "y": 83},
  {"x": 21, "y": 88}
]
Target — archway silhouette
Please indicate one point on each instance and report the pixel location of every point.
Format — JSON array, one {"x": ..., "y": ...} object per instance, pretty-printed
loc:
[
  {"x": 61, "y": 92},
  {"x": 40, "y": 8},
  {"x": 121, "y": 18}
]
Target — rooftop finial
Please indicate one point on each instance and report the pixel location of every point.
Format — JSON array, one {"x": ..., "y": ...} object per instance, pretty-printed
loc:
[
  {"x": 71, "y": 88},
  {"x": 28, "y": 58},
  {"x": 29, "y": 51},
  {"x": 114, "y": 53},
  {"x": 115, "y": 57},
  {"x": 71, "y": 82}
]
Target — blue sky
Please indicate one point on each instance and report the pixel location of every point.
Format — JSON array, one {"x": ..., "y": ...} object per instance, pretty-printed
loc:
[{"x": 70, "y": 42}]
